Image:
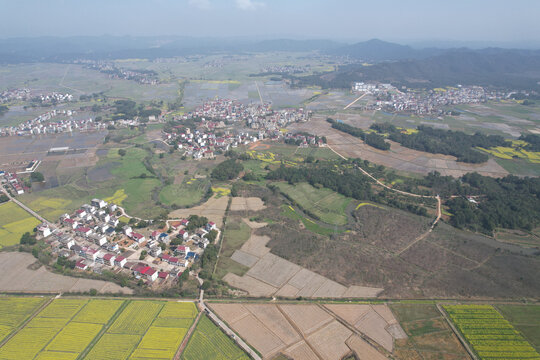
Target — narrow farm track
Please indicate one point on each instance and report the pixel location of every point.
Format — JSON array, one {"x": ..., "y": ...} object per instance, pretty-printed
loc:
[
  {"x": 184, "y": 343},
  {"x": 457, "y": 333}
]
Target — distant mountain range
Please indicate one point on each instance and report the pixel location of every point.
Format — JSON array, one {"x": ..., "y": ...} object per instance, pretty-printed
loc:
[
  {"x": 377, "y": 50},
  {"x": 399, "y": 64}
]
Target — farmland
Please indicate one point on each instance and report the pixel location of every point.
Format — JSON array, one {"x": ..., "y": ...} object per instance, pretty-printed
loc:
[
  {"x": 429, "y": 335},
  {"x": 13, "y": 311},
  {"x": 326, "y": 204},
  {"x": 94, "y": 329},
  {"x": 209, "y": 342},
  {"x": 148, "y": 329},
  {"x": 526, "y": 319},
  {"x": 489, "y": 333},
  {"x": 14, "y": 222}
]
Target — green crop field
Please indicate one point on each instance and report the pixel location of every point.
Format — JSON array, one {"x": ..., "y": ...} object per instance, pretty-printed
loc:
[
  {"x": 209, "y": 342},
  {"x": 136, "y": 318},
  {"x": 75, "y": 328},
  {"x": 489, "y": 333},
  {"x": 14, "y": 222},
  {"x": 526, "y": 319},
  {"x": 98, "y": 311},
  {"x": 163, "y": 338},
  {"x": 44, "y": 328},
  {"x": 328, "y": 205},
  {"x": 13, "y": 312}
]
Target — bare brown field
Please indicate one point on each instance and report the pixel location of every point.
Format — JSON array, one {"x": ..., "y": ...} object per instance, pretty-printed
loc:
[
  {"x": 272, "y": 318},
  {"x": 301, "y": 351},
  {"x": 249, "y": 284},
  {"x": 363, "y": 350},
  {"x": 329, "y": 341},
  {"x": 301, "y": 332},
  {"x": 247, "y": 204},
  {"x": 17, "y": 277},
  {"x": 213, "y": 209},
  {"x": 398, "y": 157},
  {"x": 259, "y": 336},
  {"x": 375, "y": 321}
]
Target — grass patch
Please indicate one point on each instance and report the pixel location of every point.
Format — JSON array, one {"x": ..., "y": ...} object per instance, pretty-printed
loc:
[
  {"x": 190, "y": 192},
  {"x": 289, "y": 212},
  {"x": 326, "y": 204}
]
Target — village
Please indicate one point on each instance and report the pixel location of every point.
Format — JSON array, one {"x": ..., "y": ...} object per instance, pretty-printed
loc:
[
  {"x": 95, "y": 239},
  {"x": 429, "y": 102},
  {"x": 25, "y": 94},
  {"x": 44, "y": 124},
  {"x": 211, "y": 135}
]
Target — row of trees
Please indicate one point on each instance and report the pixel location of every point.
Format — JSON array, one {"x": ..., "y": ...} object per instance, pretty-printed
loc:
[
  {"x": 448, "y": 142},
  {"x": 372, "y": 139}
]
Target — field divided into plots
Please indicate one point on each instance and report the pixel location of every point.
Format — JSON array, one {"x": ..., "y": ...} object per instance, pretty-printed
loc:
[
  {"x": 13, "y": 312},
  {"x": 489, "y": 333},
  {"x": 145, "y": 330},
  {"x": 209, "y": 342},
  {"x": 93, "y": 328}
]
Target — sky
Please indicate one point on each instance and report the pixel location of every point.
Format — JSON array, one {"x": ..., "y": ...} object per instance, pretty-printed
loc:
[{"x": 404, "y": 21}]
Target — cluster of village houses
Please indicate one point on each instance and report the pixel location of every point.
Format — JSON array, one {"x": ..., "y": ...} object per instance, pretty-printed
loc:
[
  {"x": 12, "y": 179},
  {"x": 91, "y": 237},
  {"x": 27, "y": 94},
  {"x": 425, "y": 102},
  {"x": 115, "y": 72},
  {"x": 43, "y": 124},
  {"x": 203, "y": 143},
  {"x": 14, "y": 95}
]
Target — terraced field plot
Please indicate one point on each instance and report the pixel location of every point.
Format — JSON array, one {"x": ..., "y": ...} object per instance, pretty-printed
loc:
[
  {"x": 14, "y": 222},
  {"x": 489, "y": 333},
  {"x": 208, "y": 342}
]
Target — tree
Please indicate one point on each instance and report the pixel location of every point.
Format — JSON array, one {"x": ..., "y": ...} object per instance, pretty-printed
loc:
[
  {"x": 227, "y": 170},
  {"x": 143, "y": 255},
  {"x": 37, "y": 177},
  {"x": 3, "y": 198},
  {"x": 122, "y": 152},
  {"x": 27, "y": 239}
]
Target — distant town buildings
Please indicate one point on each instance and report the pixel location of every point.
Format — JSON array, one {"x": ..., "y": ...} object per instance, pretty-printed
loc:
[{"x": 422, "y": 102}]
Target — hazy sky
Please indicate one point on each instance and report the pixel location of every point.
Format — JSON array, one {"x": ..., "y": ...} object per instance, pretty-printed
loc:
[{"x": 398, "y": 20}]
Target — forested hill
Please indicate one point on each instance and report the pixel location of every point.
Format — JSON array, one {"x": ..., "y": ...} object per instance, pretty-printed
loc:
[{"x": 518, "y": 69}]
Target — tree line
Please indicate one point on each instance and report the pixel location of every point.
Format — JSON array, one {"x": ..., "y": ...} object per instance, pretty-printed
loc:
[
  {"x": 447, "y": 142},
  {"x": 372, "y": 139}
]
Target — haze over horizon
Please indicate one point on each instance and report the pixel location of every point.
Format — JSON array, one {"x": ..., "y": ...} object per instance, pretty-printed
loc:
[{"x": 426, "y": 23}]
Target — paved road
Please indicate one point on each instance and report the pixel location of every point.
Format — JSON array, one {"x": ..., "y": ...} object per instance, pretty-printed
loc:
[{"x": 243, "y": 345}]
